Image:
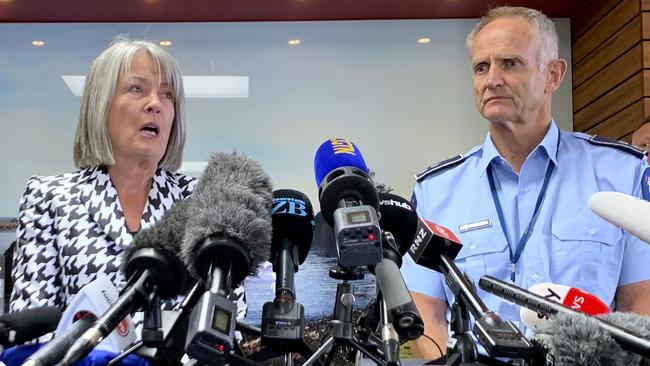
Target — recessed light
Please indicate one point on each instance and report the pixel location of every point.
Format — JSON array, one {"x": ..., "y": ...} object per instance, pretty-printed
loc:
[
  {"x": 38, "y": 43},
  {"x": 165, "y": 43},
  {"x": 294, "y": 42},
  {"x": 424, "y": 40}
]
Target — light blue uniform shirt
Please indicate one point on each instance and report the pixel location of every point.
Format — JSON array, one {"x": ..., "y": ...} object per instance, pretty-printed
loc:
[{"x": 569, "y": 244}]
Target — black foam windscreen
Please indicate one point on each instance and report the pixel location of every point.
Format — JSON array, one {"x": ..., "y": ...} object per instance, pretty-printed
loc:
[
  {"x": 28, "y": 324},
  {"x": 157, "y": 249},
  {"x": 399, "y": 218},
  {"x": 232, "y": 200},
  {"x": 293, "y": 219}
]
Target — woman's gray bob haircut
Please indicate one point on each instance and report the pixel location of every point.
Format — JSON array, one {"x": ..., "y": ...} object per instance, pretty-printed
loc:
[
  {"x": 544, "y": 26},
  {"x": 92, "y": 145}
]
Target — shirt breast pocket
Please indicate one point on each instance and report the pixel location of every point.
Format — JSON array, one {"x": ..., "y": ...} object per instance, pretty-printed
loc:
[
  {"x": 586, "y": 253},
  {"x": 484, "y": 252}
]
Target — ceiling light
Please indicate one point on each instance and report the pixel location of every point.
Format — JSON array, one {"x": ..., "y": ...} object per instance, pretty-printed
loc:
[
  {"x": 38, "y": 43},
  {"x": 195, "y": 86},
  {"x": 424, "y": 40},
  {"x": 294, "y": 42},
  {"x": 165, "y": 43}
]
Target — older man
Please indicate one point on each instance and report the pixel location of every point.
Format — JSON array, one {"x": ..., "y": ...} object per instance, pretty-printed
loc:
[{"x": 519, "y": 201}]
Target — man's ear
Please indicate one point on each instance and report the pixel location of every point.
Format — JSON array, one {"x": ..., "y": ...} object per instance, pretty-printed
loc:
[{"x": 555, "y": 74}]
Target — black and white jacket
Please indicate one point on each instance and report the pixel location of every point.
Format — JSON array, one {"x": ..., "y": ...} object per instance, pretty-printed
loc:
[{"x": 72, "y": 229}]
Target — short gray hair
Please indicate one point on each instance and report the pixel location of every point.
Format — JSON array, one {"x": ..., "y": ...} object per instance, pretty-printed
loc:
[
  {"x": 544, "y": 26},
  {"x": 92, "y": 145}
]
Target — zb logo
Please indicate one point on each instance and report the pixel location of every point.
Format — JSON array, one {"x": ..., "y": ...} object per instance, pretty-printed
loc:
[{"x": 289, "y": 206}]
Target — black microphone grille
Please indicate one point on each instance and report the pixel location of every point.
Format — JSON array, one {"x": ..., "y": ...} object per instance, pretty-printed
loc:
[
  {"x": 399, "y": 218},
  {"x": 293, "y": 219}
]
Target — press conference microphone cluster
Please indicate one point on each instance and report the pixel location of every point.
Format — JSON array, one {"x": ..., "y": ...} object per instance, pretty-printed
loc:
[
  {"x": 628, "y": 340},
  {"x": 630, "y": 213},
  {"x": 227, "y": 236},
  {"x": 435, "y": 247},
  {"x": 154, "y": 271}
]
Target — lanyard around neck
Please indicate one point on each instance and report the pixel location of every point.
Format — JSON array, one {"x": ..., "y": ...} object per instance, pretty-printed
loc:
[{"x": 514, "y": 257}]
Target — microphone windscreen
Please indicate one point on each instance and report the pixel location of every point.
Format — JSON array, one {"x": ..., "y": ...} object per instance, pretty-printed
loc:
[
  {"x": 639, "y": 324},
  {"x": 576, "y": 339},
  {"x": 165, "y": 237},
  {"x": 233, "y": 197},
  {"x": 571, "y": 297},
  {"x": 293, "y": 219},
  {"x": 30, "y": 323},
  {"x": 399, "y": 218},
  {"x": 630, "y": 213},
  {"x": 336, "y": 153}
]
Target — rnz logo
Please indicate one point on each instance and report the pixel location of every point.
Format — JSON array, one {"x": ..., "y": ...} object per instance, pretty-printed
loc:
[{"x": 287, "y": 205}]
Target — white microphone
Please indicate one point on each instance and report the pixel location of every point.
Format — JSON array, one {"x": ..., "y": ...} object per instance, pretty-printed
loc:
[
  {"x": 630, "y": 213},
  {"x": 571, "y": 297},
  {"x": 96, "y": 298}
]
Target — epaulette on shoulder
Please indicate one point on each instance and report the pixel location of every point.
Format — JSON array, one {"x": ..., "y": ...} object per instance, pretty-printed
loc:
[
  {"x": 605, "y": 141},
  {"x": 439, "y": 166}
]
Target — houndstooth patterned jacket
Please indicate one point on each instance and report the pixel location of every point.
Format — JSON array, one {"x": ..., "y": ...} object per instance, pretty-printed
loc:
[{"x": 72, "y": 228}]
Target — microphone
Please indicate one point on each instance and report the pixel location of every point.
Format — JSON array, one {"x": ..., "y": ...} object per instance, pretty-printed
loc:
[
  {"x": 628, "y": 340},
  {"x": 227, "y": 236},
  {"x": 627, "y": 212},
  {"x": 292, "y": 219},
  {"x": 153, "y": 270},
  {"x": 27, "y": 324},
  {"x": 431, "y": 242},
  {"x": 567, "y": 339},
  {"x": 435, "y": 247},
  {"x": 50, "y": 353},
  {"x": 96, "y": 298},
  {"x": 398, "y": 215},
  {"x": 571, "y": 297},
  {"x": 349, "y": 202}
]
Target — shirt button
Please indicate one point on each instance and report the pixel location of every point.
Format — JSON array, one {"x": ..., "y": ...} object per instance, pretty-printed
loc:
[
  {"x": 535, "y": 277},
  {"x": 591, "y": 231},
  {"x": 526, "y": 189},
  {"x": 473, "y": 246}
]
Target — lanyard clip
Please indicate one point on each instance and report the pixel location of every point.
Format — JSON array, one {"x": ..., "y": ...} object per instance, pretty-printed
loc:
[{"x": 513, "y": 269}]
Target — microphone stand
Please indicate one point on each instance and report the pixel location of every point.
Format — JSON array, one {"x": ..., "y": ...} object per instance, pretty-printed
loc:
[
  {"x": 152, "y": 334},
  {"x": 500, "y": 338},
  {"x": 283, "y": 318},
  {"x": 191, "y": 299},
  {"x": 343, "y": 333}
]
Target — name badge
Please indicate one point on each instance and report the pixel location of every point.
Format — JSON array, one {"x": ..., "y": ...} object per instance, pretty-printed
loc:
[{"x": 475, "y": 226}]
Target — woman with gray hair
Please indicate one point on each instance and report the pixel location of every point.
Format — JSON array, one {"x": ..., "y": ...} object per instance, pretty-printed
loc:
[{"x": 129, "y": 142}]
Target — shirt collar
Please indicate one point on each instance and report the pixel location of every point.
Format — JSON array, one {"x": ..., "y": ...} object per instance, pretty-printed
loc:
[{"x": 549, "y": 144}]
